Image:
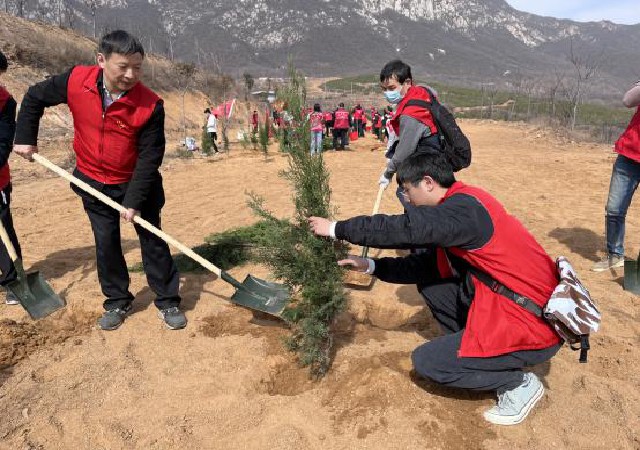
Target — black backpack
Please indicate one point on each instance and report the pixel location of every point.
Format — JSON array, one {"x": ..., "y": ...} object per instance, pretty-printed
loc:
[{"x": 453, "y": 143}]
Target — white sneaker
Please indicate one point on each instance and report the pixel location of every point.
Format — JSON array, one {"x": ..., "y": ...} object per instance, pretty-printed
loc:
[
  {"x": 514, "y": 405},
  {"x": 11, "y": 298}
]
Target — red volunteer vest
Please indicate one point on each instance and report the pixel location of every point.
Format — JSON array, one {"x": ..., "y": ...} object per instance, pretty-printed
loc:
[
  {"x": 341, "y": 119},
  {"x": 417, "y": 112},
  {"x": 629, "y": 142},
  {"x": 496, "y": 325},
  {"x": 106, "y": 144},
  {"x": 328, "y": 116},
  {"x": 357, "y": 115},
  {"x": 315, "y": 120},
  {"x": 5, "y": 174}
]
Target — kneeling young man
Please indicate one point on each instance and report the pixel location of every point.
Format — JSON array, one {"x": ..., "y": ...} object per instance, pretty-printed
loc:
[{"x": 488, "y": 338}]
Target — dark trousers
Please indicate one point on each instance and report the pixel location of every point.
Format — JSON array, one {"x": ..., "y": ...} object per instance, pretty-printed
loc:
[
  {"x": 339, "y": 134},
  {"x": 438, "y": 359},
  {"x": 162, "y": 274},
  {"x": 8, "y": 271},
  {"x": 360, "y": 128},
  {"x": 214, "y": 137}
]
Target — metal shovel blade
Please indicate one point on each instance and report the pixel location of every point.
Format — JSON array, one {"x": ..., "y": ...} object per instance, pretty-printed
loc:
[
  {"x": 632, "y": 276},
  {"x": 35, "y": 295},
  {"x": 261, "y": 295}
]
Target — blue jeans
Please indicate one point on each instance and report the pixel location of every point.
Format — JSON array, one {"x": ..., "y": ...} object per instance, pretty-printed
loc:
[
  {"x": 316, "y": 142},
  {"x": 624, "y": 182}
]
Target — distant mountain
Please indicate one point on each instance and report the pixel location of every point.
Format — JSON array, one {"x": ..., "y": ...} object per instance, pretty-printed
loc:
[{"x": 459, "y": 40}]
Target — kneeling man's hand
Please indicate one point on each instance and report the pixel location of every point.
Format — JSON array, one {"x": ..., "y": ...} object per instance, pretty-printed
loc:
[
  {"x": 320, "y": 226},
  {"x": 354, "y": 262}
]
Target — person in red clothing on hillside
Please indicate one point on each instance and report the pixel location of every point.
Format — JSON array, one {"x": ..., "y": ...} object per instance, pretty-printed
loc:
[
  {"x": 624, "y": 182},
  {"x": 358, "y": 115},
  {"x": 119, "y": 144},
  {"x": 7, "y": 129},
  {"x": 490, "y": 333}
]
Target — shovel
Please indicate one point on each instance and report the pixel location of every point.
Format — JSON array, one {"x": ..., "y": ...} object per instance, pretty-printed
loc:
[
  {"x": 632, "y": 275},
  {"x": 33, "y": 292},
  {"x": 252, "y": 293},
  {"x": 359, "y": 279}
]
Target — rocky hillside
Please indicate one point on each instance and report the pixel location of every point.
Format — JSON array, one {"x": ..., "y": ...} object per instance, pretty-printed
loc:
[{"x": 461, "y": 40}]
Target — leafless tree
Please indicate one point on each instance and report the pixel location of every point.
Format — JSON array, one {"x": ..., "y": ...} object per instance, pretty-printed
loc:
[
  {"x": 586, "y": 63},
  {"x": 20, "y": 7},
  {"x": 93, "y": 8},
  {"x": 184, "y": 74}
]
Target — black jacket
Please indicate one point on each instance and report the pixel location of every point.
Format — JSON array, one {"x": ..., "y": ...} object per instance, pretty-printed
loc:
[{"x": 460, "y": 221}]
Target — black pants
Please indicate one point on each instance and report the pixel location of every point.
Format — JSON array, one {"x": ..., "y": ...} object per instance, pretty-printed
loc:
[
  {"x": 339, "y": 134},
  {"x": 162, "y": 274},
  {"x": 8, "y": 271},
  {"x": 214, "y": 137},
  {"x": 438, "y": 359}
]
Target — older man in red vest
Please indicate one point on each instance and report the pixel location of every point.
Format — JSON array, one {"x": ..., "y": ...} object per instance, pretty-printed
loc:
[
  {"x": 119, "y": 144},
  {"x": 492, "y": 329}
]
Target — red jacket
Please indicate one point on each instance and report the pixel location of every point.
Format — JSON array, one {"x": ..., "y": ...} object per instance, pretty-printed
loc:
[
  {"x": 328, "y": 116},
  {"x": 417, "y": 112},
  {"x": 106, "y": 144},
  {"x": 357, "y": 115},
  {"x": 496, "y": 325},
  {"x": 629, "y": 142},
  {"x": 5, "y": 174},
  {"x": 341, "y": 120}
]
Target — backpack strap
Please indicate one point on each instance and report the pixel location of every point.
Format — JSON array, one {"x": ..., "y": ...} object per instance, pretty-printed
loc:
[{"x": 501, "y": 289}]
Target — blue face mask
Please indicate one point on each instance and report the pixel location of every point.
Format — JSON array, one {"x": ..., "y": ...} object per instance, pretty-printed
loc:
[{"x": 393, "y": 97}]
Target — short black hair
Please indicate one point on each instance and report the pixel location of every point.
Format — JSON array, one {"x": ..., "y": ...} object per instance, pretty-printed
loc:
[
  {"x": 341, "y": 105},
  {"x": 4, "y": 64},
  {"x": 396, "y": 67},
  {"x": 316, "y": 107},
  {"x": 207, "y": 111},
  {"x": 420, "y": 164},
  {"x": 120, "y": 42}
]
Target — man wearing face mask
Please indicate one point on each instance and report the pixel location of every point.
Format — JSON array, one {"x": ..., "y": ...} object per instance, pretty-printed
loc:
[{"x": 413, "y": 125}]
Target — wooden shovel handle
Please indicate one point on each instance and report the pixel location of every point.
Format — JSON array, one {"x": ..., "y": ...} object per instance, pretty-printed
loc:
[
  {"x": 376, "y": 207},
  {"x": 118, "y": 207},
  {"x": 7, "y": 243}
]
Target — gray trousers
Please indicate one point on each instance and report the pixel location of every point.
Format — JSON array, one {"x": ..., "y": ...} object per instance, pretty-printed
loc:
[{"x": 438, "y": 359}]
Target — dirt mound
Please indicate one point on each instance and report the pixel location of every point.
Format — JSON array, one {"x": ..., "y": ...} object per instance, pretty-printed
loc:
[{"x": 19, "y": 339}]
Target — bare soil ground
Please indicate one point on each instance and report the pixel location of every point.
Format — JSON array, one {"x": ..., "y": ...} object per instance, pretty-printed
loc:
[{"x": 226, "y": 382}]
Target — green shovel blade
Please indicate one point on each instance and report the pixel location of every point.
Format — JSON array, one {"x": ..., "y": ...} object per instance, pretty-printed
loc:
[
  {"x": 632, "y": 276},
  {"x": 34, "y": 293},
  {"x": 254, "y": 293}
]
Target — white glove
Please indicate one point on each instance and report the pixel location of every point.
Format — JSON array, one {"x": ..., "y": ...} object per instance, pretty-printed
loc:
[{"x": 384, "y": 181}]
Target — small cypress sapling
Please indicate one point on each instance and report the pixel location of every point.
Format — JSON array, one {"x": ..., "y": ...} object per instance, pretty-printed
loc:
[
  {"x": 305, "y": 263},
  {"x": 205, "y": 145}
]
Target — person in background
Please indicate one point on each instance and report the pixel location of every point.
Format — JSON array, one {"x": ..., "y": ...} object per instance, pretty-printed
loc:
[
  {"x": 212, "y": 128},
  {"x": 316, "y": 119},
  {"x": 624, "y": 182},
  {"x": 340, "y": 127}
]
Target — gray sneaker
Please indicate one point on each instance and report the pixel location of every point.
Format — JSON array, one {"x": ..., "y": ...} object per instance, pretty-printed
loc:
[
  {"x": 514, "y": 405},
  {"x": 608, "y": 262},
  {"x": 113, "y": 318},
  {"x": 11, "y": 298},
  {"x": 173, "y": 318}
]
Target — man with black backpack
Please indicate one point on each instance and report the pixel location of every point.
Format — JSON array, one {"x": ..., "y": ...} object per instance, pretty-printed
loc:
[{"x": 420, "y": 123}]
